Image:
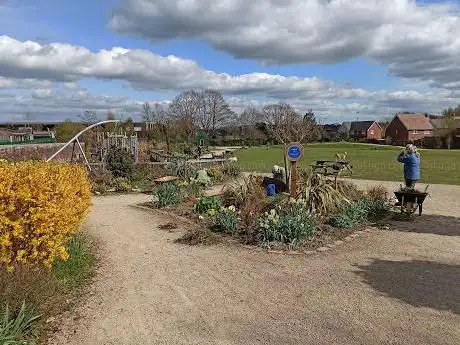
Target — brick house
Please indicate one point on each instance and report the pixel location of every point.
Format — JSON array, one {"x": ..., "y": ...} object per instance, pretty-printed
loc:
[
  {"x": 407, "y": 128},
  {"x": 365, "y": 131}
]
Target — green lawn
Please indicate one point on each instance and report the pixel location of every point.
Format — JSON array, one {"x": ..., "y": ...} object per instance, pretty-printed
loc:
[{"x": 372, "y": 162}]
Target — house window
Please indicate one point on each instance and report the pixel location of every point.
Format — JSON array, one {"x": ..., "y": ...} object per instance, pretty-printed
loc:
[
  {"x": 427, "y": 132},
  {"x": 371, "y": 132},
  {"x": 414, "y": 132}
]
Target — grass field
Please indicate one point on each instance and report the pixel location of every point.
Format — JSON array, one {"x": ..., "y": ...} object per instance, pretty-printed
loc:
[{"x": 372, "y": 162}]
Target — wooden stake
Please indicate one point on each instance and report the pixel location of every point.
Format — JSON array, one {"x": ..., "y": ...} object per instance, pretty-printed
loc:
[{"x": 293, "y": 180}]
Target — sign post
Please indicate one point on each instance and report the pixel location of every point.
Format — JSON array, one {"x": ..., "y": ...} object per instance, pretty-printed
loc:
[{"x": 294, "y": 152}]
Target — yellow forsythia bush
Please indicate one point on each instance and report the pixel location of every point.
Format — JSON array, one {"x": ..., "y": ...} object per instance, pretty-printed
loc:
[{"x": 41, "y": 205}]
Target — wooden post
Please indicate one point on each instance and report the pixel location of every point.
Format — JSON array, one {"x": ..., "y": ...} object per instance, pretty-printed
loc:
[
  {"x": 293, "y": 152},
  {"x": 293, "y": 180},
  {"x": 287, "y": 171}
]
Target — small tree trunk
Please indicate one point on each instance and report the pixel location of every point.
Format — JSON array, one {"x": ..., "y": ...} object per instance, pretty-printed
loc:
[{"x": 165, "y": 131}]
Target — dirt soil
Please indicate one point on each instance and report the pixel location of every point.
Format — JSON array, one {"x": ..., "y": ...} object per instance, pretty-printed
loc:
[{"x": 384, "y": 287}]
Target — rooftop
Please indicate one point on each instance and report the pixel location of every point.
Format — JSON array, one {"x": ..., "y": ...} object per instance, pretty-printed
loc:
[
  {"x": 360, "y": 126},
  {"x": 415, "y": 121}
]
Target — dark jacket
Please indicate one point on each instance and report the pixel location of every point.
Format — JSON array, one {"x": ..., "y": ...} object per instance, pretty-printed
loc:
[{"x": 411, "y": 165}]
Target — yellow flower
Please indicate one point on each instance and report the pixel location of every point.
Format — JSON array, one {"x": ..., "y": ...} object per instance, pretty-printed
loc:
[{"x": 52, "y": 200}]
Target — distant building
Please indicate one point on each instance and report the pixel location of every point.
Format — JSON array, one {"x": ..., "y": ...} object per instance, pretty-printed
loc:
[
  {"x": 331, "y": 128},
  {"x": 8, "y": 135},
  {"x": 365, "y": 131},
  {"x": 18, "y": 133},
  {"x": 406, "y": 128}
]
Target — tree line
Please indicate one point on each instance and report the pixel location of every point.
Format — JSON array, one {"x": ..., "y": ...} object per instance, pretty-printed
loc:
[{"x": 209, "y": 112}]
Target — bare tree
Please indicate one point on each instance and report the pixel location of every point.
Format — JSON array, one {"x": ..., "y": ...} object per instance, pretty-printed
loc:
[
  {"x": 451, "y": 116},
  {"x": 158, "y": 116},
  {"x": 248, "y": 121},
  {"x": 185, "y": 109},
  {"x": 215, "y": 111},
  {"x": 285, "y": 124},
  {"x": 89, "y": 117}
]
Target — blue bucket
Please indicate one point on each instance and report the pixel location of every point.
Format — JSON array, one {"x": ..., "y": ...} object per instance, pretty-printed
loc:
[{"x": 270, "y": 190}]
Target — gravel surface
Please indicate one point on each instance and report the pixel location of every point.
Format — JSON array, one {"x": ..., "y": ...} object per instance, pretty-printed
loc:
[{"x": 384, "y": 287}]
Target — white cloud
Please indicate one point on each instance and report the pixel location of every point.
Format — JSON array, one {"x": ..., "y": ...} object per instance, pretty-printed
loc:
[
  {"x": 50, "y": 73},
  {"x": 54, "y": 104},
  {"x": 146, "y": 70},
  {"x": 61, "y": 103},
  {"x": 414, "y": 40},
  {"x": 11, "y": 83}
]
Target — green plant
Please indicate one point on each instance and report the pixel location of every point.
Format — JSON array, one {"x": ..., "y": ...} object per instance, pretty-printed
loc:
[
  {"x": 193, "y": 189},
  {"x": 231, "y": 169},
  {"x": 352, "y": 214},
  {"x": 140, "y": 177},
  {"x": 122, "y": 185},
  {"x": 78, "y": 268},
  {"x": 359, "y": 211},
  {"x": 216, "y": 173},
  {"x": 225, "y": 220},
  {"x": 119, "y": 162},
  {"x": 98, "y": 188},
  {"x": 168, "y": 194},
  {"x": 143, "y": 175},
  {"x": 181, "y": 168},
  {"x": 290, "y": 224},
  {"x": 45, "y": 291},
  {"x": 377, "y": 209},
  {"x": 320, "y": 196},
  {"x": 15, "y": 329},
  {"x": 207, "y": 204}
]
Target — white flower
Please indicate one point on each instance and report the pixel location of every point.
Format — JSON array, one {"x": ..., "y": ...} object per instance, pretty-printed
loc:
[{"x": 232, "y": 208}]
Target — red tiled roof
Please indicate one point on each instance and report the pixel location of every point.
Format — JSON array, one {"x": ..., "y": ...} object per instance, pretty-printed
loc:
[{"x": 415, "y": 121}]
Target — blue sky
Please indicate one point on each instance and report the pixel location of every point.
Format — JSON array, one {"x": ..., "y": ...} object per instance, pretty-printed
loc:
[{"x": 372, "y": 60}]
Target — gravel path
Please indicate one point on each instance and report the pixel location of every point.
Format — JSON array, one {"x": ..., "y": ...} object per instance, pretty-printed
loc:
[{"x": 385, "y": 287}]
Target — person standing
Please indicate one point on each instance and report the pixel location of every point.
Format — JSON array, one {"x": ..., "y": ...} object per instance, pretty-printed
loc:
[{"x": 411, "y": 160}]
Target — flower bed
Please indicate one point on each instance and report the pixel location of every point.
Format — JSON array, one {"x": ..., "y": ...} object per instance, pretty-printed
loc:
[{"x": 320, "y": 215}]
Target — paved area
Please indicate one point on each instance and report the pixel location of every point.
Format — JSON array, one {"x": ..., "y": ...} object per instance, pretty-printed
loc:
[{"x": 385, "y": 287}]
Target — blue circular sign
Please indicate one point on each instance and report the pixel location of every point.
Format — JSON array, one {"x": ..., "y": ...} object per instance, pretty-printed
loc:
[{"x": 294, "y": 152}]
